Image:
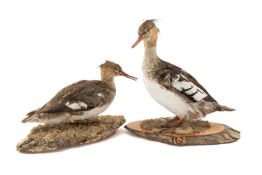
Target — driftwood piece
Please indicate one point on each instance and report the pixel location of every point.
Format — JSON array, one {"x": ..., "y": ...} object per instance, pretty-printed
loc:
[
  {"x": 215, "y": 133},
  {"x": 46, "y": 138}
]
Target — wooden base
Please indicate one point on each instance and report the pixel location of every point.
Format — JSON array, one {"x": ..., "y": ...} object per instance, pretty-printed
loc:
[
  {"x": 46, "y": 138},
  {"x": 215, "y": 134}
]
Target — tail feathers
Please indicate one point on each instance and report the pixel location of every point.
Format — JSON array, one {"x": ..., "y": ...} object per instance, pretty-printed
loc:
[
  {"x": 225, "y": 108},
  {"x": 30, "y": 117}
]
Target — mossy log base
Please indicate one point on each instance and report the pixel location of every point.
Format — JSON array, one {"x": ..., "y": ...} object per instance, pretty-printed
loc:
[
  {"x": 46, "y": 138},
  {"x": 215, "y": 133}
]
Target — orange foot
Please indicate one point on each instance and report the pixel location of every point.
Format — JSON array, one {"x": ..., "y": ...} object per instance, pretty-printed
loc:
[
  {"x": 174, "y": 122},
  {"x": 178, "y": 120}
]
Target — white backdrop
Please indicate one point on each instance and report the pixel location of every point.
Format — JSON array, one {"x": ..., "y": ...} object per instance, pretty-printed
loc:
[{"x": 46, "y": 45}]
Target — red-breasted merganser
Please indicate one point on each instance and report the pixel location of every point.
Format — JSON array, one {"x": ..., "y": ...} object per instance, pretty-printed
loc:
[
  {"x": 81, "y": 100},
  {"x": 171, "y": 86}
]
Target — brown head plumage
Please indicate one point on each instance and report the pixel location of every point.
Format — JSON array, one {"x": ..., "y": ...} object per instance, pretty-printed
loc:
[
  {"x": 110, "y": 69},
  {"x": 148, "y": 32},
  {"x": 146, "y": 26}
]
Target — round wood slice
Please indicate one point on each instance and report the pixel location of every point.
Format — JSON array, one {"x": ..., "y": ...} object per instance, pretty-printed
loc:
[
  {"x": 216, "y": 134},
  {"x": 46, "y": 138}
]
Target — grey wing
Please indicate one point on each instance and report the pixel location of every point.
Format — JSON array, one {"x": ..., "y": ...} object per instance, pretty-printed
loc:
[{"x": 80, "y": 96}]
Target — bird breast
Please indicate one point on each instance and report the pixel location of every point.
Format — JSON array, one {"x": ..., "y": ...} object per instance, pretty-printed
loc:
[{"x": 168, "y": 99}]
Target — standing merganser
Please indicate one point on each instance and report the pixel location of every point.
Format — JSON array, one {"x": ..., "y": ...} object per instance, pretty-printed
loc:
[
  {"x": 80, "y": 100},
  {"x": 171, "y": 86}
]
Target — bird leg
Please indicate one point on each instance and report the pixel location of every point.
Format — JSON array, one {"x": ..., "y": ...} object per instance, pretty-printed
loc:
[
  {"x": 172, "y": 122},
  {"x": 176, "y": 122}
]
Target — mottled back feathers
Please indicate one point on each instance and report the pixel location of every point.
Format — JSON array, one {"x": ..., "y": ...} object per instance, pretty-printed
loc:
[{"x": 88, "y": 94}]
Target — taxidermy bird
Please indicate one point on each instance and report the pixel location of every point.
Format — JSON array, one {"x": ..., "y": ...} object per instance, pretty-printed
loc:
[
  {"x": 171, "y": 86},
  {"x": 80, "y": 100}
]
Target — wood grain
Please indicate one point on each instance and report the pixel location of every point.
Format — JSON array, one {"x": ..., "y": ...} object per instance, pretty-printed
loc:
[{"x": 216, "y": 134}]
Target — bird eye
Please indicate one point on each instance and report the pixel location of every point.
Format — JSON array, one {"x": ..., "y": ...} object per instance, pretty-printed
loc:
[{"x": 146, "y": 31}]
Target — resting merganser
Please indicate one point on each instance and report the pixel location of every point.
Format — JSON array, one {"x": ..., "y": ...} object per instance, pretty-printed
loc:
[
  {"x": 81, "y": 100},
  {"x": 171, "y": 86}
]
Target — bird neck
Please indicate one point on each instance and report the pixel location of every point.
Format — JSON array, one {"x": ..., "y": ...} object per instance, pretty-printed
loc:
[
  {"x": 108, "y": 78},
  {"x": 150, "y": 58},
  {"x": 150, "y": 46},
  {"x": 150, "y": 53}
]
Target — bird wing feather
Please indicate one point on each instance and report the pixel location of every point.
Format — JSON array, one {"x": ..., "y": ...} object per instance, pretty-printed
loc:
[
  {"x": 80, "y": 96},
  {"x": 176, "y": 79}
]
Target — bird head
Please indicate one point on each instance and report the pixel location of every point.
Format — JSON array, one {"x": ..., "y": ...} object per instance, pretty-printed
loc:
[
  {"x": 147, "y": 31},
  {"x": 110, "y": 68}
]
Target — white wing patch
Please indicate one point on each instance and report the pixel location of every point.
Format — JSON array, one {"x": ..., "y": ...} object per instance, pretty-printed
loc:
[
  {"x": 76, "y": 105},
  {"x": 188, "y": 88},
  {"x": 100, "y": 95}
]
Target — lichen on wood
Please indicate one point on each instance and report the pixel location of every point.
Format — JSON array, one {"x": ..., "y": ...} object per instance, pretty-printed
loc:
[
  {"x": 191, "y": 133},
  {"x": 171, "y": 126},
  {"x": 46, "y": 138}
]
